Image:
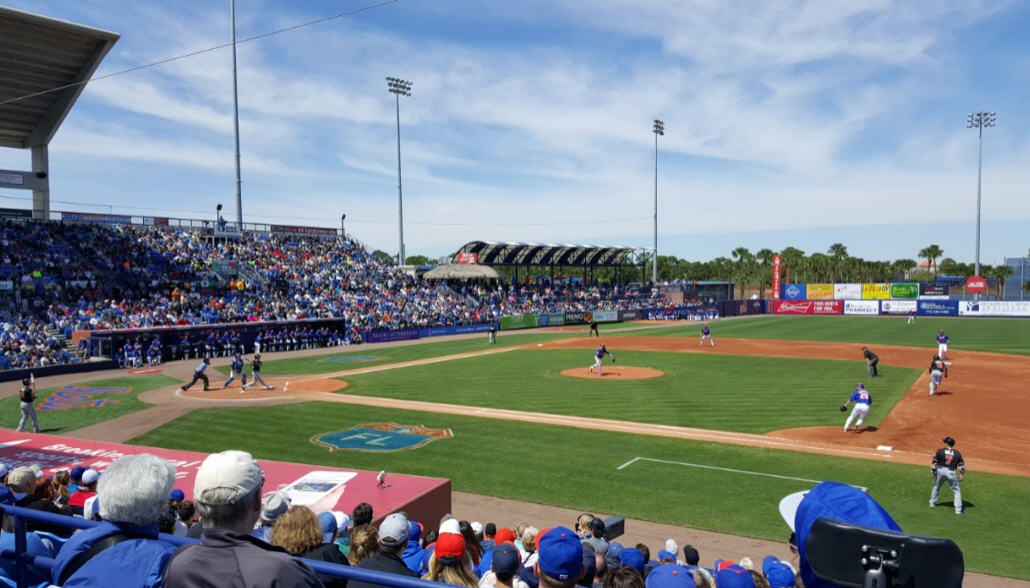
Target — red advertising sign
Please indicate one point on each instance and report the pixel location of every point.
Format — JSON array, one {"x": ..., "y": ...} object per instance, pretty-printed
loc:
[
  {"x": 467, "y": 258},
  {"x": 776, "y": 277},
  {"x": 808, "y": 306},
  {"x": 976, "y": 285}
]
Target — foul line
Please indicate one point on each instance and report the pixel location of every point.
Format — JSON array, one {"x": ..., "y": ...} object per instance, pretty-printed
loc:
[{"x": 708, "y": 467}]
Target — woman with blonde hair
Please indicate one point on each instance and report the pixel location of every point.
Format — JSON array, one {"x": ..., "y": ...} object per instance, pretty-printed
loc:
[
  {"x": 299, "y": 532},
  {"x": 364, "y": 541},
  {"x": 450, "y": 563},
  {"x": 61, "y": 492}
]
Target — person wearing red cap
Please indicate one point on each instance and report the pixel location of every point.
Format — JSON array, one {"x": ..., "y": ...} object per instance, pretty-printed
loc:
[{"x": 450, "y": 563}]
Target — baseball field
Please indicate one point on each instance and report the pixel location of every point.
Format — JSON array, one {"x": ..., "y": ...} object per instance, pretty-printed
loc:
[{"x": 714, "y": 441}]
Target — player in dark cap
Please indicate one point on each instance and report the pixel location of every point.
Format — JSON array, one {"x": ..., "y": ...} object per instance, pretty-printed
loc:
[{"x": 948, "y": 466}]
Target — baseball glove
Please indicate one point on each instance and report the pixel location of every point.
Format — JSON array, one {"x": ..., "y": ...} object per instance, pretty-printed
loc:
[{"x": 843, "y": 408}]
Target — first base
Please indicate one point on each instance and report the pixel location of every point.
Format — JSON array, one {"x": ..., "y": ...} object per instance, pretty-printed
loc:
[
  {"x": 884, "y": 448},
  {"x": 539, "y": 344}
]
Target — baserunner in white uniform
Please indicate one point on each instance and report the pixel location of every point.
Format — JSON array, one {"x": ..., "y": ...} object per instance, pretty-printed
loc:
[{"x": 862, "y": 400}]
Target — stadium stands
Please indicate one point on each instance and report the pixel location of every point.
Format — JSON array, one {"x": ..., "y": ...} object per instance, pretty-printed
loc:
[{"x": 80, "y": 276}]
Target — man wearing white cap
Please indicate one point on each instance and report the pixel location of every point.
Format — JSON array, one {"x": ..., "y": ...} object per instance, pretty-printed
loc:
[
  {"x": 228, "y": 495},
  {"x": 393, "y": 538}
]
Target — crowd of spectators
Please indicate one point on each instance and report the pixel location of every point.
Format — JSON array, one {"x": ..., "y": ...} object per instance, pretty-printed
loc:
[
  {"x": 81, "y": 276},
  {"x": 252, "y": 538}
]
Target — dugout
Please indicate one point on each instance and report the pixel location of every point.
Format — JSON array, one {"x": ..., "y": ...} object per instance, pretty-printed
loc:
[{"x": 553, "y": 260}]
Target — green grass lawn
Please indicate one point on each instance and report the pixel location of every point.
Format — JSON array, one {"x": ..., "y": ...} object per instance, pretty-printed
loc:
[
  {"x": 61, "y": 421},
  {"x": 725, "y": 392},
  {"x": 577, "y": 469},
  {"x": 977, "y": 334}
]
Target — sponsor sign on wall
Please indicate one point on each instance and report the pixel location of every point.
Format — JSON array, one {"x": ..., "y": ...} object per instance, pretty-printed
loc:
[
  {"x": 807, "y": 306},
  {"x": 88, "y": 217},
  {"x": 299, "y": 230},
  {"x": 385, "y": 336},
  {"x": 574, "y": 318},
  {"x": 520, "y": 321},
  {"x": 994, "y": 308},
  {"x": 847, "y": 291},
  {"x": 976, "y": 284},
  {"x": 905, "y": 290},
  {"x": 876, "y": 291},
  {"x": 897, "y": 306},
  {"x": 776, "y": 276},
  {"x": 606, "y": 316},
  {"x": 933, "y": 289},
  {"x": 15, "y": 213},
  {"x": 466, "y": 258},
  {"x": 6, "y": 285},
  {"x": 629, "y": 315},
  {"x": 553, "y": 319},
  {"x": 794, "y": 292},
  {"x": 861, "y": 307},
  {"x": 453, "y": 330},
  {"x": 937, "y": 308},
  {"x": 820, "y": 292}
]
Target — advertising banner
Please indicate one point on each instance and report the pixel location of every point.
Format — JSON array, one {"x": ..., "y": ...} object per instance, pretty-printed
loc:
[
  {"x": 552, "y": 319},
  {"x": 6, "y": 285},
  {"x": 794, "y": 292},
  {"x": 227, "y": 231},
  {"x": 976, "y": 285},
  {"x": 820, "y": 292},
  {"x": 629, "y": 315},
  {"x": 89, "y": 217},
  {"x": 908, "y": 291},
  {"x": 453, "y": 330},
  {"x": 937, "y": 308},
  {"x": 520, "y": 321},
  {"x": 897, "y": 306},
  {"x": 861, "y": 307},
  {"x": 933, "y": 289},
  {"x": 994, "y": 308},
  {"x": 776, "y": 277},
  {"x": 15, "y": 213},
  {"x": 808, "y": 306},
  {"x": 467, "y": 258},
  {"x": 299, "y": 230},
  {"x": 876, "y": 291},
  {"x": 604, "y": 316},
  {"x": 574, "y": 318},
  {"x": 847, "y": 291},
  {"x": 385, "y": 336}
]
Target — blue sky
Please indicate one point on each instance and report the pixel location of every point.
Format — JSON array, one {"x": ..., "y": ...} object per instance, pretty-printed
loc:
[{"x": 787, "y": 123}]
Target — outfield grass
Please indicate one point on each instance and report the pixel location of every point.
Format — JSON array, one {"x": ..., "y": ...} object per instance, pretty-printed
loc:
[
  {"x": 523, "y": 461},
  {"x": 725, "y": 392},
  {"x": 60, "y": 421},
  {"x": 977, "y": 334}
]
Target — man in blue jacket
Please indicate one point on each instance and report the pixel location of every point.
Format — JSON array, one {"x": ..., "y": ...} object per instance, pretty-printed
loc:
[{"x": 124, "y": 549}]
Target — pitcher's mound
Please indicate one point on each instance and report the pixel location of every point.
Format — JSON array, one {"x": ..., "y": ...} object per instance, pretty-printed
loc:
[{"x": 615, "y": 372}]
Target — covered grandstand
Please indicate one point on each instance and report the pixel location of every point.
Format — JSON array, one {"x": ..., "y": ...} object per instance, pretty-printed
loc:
[{"x": 550, "y": 255}]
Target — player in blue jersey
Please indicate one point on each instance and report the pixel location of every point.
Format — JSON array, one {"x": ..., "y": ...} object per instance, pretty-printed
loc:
[
  {"x": 236, "y": 369},
  {"x": 598, "y": 356},
  {"x": 862, "y": 400},
  {"x": 706, "y": 333},
  {"x": 942, "y": 344}
]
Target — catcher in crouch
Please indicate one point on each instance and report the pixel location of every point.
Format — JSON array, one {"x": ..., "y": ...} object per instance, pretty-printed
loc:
[{"x": 598, "y": 356}]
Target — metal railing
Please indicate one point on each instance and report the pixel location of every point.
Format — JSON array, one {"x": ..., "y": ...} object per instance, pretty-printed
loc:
[{"x": 23, "y": 559}]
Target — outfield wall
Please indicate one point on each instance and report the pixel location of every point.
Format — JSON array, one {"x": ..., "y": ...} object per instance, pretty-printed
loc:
[
  {"x": 699, "y": 312},
  {"x": 921, "y": 307}
]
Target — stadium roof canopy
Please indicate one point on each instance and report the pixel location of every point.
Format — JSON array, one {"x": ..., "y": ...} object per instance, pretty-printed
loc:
[
  {"x": 548, "y": 254},
  {"x": 39, "y": 54}
]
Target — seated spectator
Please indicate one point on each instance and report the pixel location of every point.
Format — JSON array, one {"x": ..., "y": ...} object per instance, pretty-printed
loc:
[
  {"x": 624, "y": 577},
  {"x": 504, "y": 569},
  {"x": 343, "y": 530},
  {"x": 22, "y": 482},
  {"x": 734, "y": 576},
  {"x": 602, "y": 570},
  {"x": 188, "y": 514},
  {"x": 595, "y": 535},
  {"x": 560, "y": 558},
  {"x": 364, "y": 542},
  {"x": 529, "y": 546},
  {"x": 87, "y": 489},
  {"x": 450, "y": 562},
  {"x": 589, "y": 568},
  {"x": 61, "y": 493},
  {"x": 227, "y": 491},
  {"x": 393, "y": 538},
  {"x": 300, "y": 532},
  {"x": 124, "y": 548},
  {"x": 412, "y": 555},
  {"x": 780, "y": 574},
  {"x": 273, "y": 505},
  {"x": 669, "y": 575},
  {"x": 634, "y": 558}
]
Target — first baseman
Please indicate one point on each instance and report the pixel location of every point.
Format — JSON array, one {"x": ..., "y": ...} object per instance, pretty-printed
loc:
[
  {"x": 937, "y": 370},
  {"x": 942, "y": 344},
  {"x": 706, "y": 333},
  {"x": 947, "y": 466},
  {"x": 598, "y": 356},
  {"x": 862, "y": 400}
]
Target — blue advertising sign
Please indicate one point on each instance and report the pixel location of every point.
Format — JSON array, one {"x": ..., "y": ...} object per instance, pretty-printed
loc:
[
  {"x": 937, "y": 308},
  {"x": 453, "y": 330},
  {"x": 397, "y": 335},
  {"x": 794, "y": 292}
]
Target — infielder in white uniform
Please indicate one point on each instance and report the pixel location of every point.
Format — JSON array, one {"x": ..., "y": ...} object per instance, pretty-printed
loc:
[
  {"x": 706, "y": 333},
  {"x": 942, "y": 344},
  {"x": 862, "y": 401},
  {"x": 598, "y": 356}
]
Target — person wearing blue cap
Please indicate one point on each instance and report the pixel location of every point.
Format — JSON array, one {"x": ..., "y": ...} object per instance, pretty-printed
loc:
[
  {"x": 734, "y": 576},
  {"x": 669, "y": 575},
  {"x": 780, "y": 574},
  {"x": 634, "y": 558},
  {"x": 559, "y": 562}
]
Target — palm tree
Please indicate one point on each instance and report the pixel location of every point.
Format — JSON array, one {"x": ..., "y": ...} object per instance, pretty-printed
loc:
[
  {"x": 901, "y": 267},
  {"x": 839, "y": 253},
  {"x": 931, "y": 253},
  {"x": 742, "y": 270},
  {"x": 792, "y": 258},
  {"x": 1001, "y": 273},
  {"x": 765, "y": 256}
]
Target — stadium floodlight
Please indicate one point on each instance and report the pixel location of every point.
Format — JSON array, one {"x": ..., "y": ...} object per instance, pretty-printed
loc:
[
  {"x": 978, "y": 120},
  {"x": 398, "y": 88},
  {"x": 236, "y": 124},
  {"x": 659, "y": 129}
]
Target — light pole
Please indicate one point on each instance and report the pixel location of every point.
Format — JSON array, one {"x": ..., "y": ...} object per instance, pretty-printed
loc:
[
  {"x": 343, "y": 231},
  {"x": 398, "y": 88},
  {"x": 659, "y": 129},
  {"x": 978, "y": 120},
  {"x": 236, "y": 124}
]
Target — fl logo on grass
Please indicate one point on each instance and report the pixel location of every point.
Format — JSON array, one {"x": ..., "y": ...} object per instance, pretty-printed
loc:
[{"x": 381, "y": 437}]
